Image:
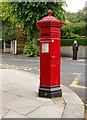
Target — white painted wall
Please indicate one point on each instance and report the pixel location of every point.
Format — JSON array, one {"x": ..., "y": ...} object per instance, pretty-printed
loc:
[{"x": 67, "y": 51}]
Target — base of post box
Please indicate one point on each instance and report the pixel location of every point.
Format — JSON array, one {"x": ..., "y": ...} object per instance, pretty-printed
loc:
[{"x": 50, "y": 92}]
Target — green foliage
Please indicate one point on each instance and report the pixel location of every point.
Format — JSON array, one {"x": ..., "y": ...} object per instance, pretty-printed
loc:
[
  {"x": 8, "y": 32},
  {"x": 30, "y": 12},
  {"x": 77, "y": 27},
  {"x": 8, "y": 28},
  {"x": 5, "y": 13},
  {"x": 80, "y": 29},
  {"x": 31, "y": 50},
  {"x": 25, "y": 15},
  {"x": 78, "y": 16},
  {"x": 73, "y": 30},
  {"x": 69, "y": 42}
]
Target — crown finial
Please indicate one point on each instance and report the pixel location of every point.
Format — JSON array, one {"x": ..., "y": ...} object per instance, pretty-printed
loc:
[{"x": 49, "y": 12}]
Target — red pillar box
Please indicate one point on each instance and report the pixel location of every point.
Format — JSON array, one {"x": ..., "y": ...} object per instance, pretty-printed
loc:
[{"x": 50, "y": 56}]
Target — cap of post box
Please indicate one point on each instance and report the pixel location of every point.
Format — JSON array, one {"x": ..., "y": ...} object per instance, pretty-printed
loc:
[{"x": 49, "y": 21}]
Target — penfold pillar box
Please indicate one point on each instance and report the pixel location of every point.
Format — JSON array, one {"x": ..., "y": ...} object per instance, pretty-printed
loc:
[{"x": 49, "y": 27}]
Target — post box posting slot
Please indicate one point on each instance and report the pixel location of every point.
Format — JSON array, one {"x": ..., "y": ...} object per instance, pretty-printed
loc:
[{"x": 45, "y": 34}]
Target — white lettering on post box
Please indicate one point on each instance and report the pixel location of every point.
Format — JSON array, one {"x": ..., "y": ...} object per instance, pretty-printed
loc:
[{"x": 45, "y": 47}]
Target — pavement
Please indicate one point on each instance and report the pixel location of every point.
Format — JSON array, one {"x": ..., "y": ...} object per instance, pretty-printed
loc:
[{"x": 19, "y": 98}]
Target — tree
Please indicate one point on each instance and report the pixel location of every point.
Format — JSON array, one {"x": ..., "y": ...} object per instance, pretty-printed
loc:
[
  {"x": 77, "y": 26},
  {"x": 28, "y": 13},
  {"x": 25, "y": 15},
  {"x": 76, "y": 17},
  {"x": 8, "y": 27},
  {"x": 73, "y": 30}
]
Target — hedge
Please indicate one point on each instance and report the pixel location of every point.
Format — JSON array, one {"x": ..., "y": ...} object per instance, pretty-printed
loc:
[{"x": 69, "y": 42}]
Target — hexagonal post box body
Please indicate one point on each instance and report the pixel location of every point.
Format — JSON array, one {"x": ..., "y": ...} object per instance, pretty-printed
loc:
[{"x": 49, "y": 56}]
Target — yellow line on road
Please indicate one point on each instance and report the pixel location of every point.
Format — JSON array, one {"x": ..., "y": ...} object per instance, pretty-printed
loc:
[
  {"x": 78, "y": 86},
  {"x": 76, "y": 82}
]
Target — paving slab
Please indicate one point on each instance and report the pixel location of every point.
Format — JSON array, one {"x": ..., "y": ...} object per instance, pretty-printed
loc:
[
  {"x": 73, "y": 111},
  {"x": 18, "y": 81},
  {"x": 22, "y": 104},
  {"x": 6, "y": 98},
  {"x": 0, "y": 98},
  {"x": 26, "y": 92},
  {"x": 47, "y": 111},
  {"x": 12, "y": 114},
  {"x": 3, "y": 112},
  {"x": 0, "y": 112},
  {"x": 69, "y": 94},
  {"x": 0, "y": 80}
]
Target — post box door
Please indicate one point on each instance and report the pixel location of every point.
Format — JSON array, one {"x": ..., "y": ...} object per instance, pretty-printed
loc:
[
  {"x": 44, "y": 63},
  {"x": 55, "y": 62}
]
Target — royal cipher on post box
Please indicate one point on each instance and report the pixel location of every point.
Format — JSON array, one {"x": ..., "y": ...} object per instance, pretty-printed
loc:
[{"x": 49, "y": 28}]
